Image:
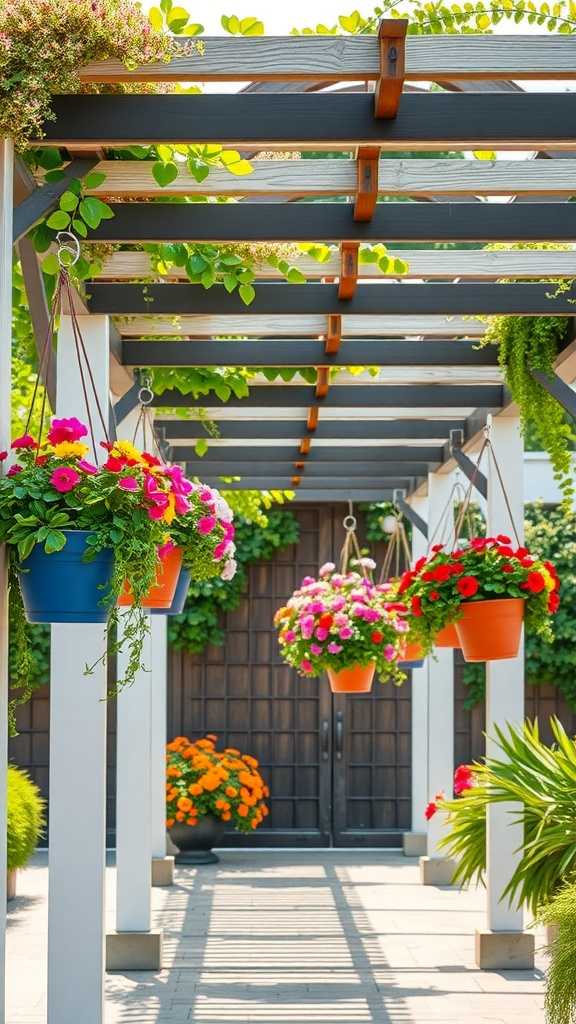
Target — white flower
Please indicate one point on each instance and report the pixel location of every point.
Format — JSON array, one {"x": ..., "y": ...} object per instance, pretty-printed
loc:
[
  {"x": 326, "y": 568},
  {"x": 229, "y": 570},
  {"x": 368, "y": 563}
]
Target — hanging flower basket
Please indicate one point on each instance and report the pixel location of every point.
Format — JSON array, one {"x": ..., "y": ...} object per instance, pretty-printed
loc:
[
  {"x": 180, "y": 595},
  {"x": 357, "y": 679},
  {"x": 161, "y": 593},
  {"x": 413, "y": 656},
  {"x": 491, "y": 630},
  {"x": 61, "y": 587},
  {"x": 448, "y": 637}
]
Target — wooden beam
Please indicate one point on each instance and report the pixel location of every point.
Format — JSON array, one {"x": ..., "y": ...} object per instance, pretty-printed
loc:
[
  {"x": 348, "y": 270},
  {"x": 388, "y": 90},
  {"x": 397, "y": 352},
  {"x": 476, "y": 263},
  {"x": 323, "y": 382},
  {"x": 342, "y": 396},
  {"x": 331, "y": 222},
  {"x": 367, "y": 190},
  {"x": 257, "y": 454},
  {"x": 366, "y": 177},
  {"x": 355, "y": 58},
  {"x": 327, "y": 486},
  {"x": 356, "y": 429},
  {"x": 507, "y": 121},
  {"x": 391, "y": 298},
  {"x": 313, "y": 416},
  {"x": 349, "y": 467},
  {"x": 295, "y": 325},
  {"x": 333, "y": 337}
]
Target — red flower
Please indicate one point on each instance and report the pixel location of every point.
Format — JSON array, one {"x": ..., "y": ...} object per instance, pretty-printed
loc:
[
  {"x": 441, "y": 573},
  {"x": 457, "y": 554},
  {"x": 503, "y": 539},
  {"x": 430, "y": 810},
  {"x": 41, "y": 460},
  {"x": 463, "y": 778},
  {"x": 526, "y": 563},
  {"x": 3, "y": 455},
  {"x": 436, "y": 547},
  {"x": 377, "y": 637},
  {"x": 106, "y": 445},
  {"x": 420, "y": 563},
  {"x": 26, "y": 441},
  {"x": 434, "y": 595},
  {"x": 326, "y": 620},
  {"x": 114, "y": 465},
  {"x": 505, "y": 551},
  {"x": 427, "y": 576},
  {"x": 479, "y": 543},
  {"x": 553, "y": 602},
  {"x": 507, "y": 567},
  {"x": 468, "y": 586},
  {"x": 406, "y": 581},
  {"x": 416, "y": 606},
  {"x": 522, "y": 553},
  {"x": 535, "y": 583},
  {"x": 396, "y": 608},
  {"x": 457, "y": 568}
]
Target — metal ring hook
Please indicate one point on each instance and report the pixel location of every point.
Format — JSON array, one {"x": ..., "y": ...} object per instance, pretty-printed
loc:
[
  {"x": 349, "y": 523},
  {"x": 145, "y": 396},
  {"x": 67, "y": 242}
]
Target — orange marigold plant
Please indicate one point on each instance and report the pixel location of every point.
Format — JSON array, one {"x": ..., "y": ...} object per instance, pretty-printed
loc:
[{"x": 201, "y": 780}]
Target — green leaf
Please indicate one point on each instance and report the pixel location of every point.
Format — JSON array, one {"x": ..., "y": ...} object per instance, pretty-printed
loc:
[
  {"x": 230, "y": 282},
  {"x": 53, "y": 176},
  {"x": 295, "y": 276},
  {"x": 165, "y": 153},
  {"x": 156, "y": 19},
  {"x": 164, "y": 173},
  {"x": 68, "y": 201},
  {"x": 199, "y": 169},
  {"x": 80, "y": 227},
  {"x": 196, "y": 264},
  {"x": 49, "y": 158},
  {"x": 231, "y": 25},
  {"x": 50, "y": 265},
  {"x": 89, "y": 209},
  {"x": 247, "y": 293},
  {"x": 177, "y": 19},
  {"x": 484, "y": 154},
  {"x": 208, "y": 277},
  {"x": 166, "y": 6},
  {"x": 193, "y": 30},
  {"x": 58, "y": 220},
  {"x": 201, "y": 447},
  {"x": 94, "y": 179},
  {"x": 251, "y": 27}
]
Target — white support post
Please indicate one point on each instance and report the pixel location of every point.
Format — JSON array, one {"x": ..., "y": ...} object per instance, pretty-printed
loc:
[
  {"x": 162, "y": 865},
  {"x": 134, "y": 946},
  {"x": 415, "y": 841},
  {"x": 6, "y": 206},
  {"x": 504, "y": 944},
  {"x": 76, "y": 890},
  {"x": 436, "y": 868}
]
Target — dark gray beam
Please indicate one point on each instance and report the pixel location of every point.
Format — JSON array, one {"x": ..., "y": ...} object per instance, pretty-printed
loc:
[
  {"x": 305, "y": 493},
  {"x": 39, "y": 312},
  {"x": 298, "y": 352},
  {"x": 556, "y": 387},
  {"x": 45, "y": 198},
  {"x": 341, "y": 396},
  {"x": 314, "y": 471},
  {"x": 127, "y": 403},
  {"x": 470, "y": 469},
  {"x": 399, "y": 499},
  {"x": 267, "y": 453},
  {"x": 332, "y": 222},
  {"x": 326, "y": 429},
  {"x": 383, "y": 298},
  {"x": 284, "y": 482},
  {"x": 426, "y": 120}
]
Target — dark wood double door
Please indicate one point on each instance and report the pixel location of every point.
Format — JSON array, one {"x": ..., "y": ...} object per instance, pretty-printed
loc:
[{"x": 338, "y": 767}]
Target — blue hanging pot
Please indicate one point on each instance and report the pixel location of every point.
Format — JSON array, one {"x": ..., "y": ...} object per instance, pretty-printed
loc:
[
  {"x": 411, "y": 664},
  {"x": 60, "y": 587},
  {"x": 179, "y": 599}
]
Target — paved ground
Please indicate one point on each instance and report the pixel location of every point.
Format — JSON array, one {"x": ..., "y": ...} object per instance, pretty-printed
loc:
[{"x": 287, "y": 937}]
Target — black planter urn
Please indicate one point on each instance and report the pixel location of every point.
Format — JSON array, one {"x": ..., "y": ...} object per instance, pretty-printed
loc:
[{"x": 195, "y": 842}]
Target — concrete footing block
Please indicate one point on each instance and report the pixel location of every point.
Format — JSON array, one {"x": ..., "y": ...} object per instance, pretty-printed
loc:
[
  {"x": 134, "y": 951},
  {"x": 504, "y": 951},
  {"x": 415, "y": 844},
  {"x": 163, "y": 871},
  {"x": 437, "y": 870}
]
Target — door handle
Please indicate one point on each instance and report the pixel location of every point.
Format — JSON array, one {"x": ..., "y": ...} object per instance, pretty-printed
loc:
[
  {"x": 339, "y": 734},
  {"x": 325, "y": 738}
]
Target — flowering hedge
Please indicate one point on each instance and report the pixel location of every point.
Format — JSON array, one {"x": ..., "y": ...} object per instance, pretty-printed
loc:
[
  {"x": 341, "y": 620},
  {"x": 201, "y": 780}
]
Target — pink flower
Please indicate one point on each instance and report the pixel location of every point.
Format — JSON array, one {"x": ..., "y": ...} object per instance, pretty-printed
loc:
[
  {"x": 180, "y": 485},
  {"x": 345, "y": 633},
  {"x": 206, "y": 496},
  {"x": 66, "y": 430},
  {"x": 307, "y": 626},
  {"x": 289, "y": 636},
  {"x": 327, "y": 568},
  {"x": 306, "y": 665},
  {"x": 87, "y": 467},
  {"x": 206, "y": 524},
  {"x": 64, "y": 479},
  {"x": 26, "y": 441},
  {"x": 3, "y": 455},
  {"x": 220, "y": 550},
  {"x": 389, "y": 653},
  {"x": 128, "y": 483},
  {"x": 338, "y": 603},
  {"x": 321, "y": 633},
  {"x": 463, "y": 779},
  {"x": 307, "y": 581},
  {"x": 166, "y": 549},
  {"x": 316, "y": 608},
  {"x": 229, "y": 570},
  {"x": 341, "y": 620},
  {"x": 157, "y": 512},
  {"x": 181, "y": 504},
  {"x": 371, "y": 614},
  {"x": 14, "y": 470},
  {"x": 334, "y": 648},
  {"x": 316, "y": 649}
]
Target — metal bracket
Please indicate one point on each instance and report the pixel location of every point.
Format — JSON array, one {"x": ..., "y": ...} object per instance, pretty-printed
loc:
[
  {"x": 556, "y": 387},
  {"x": 468, "y": 467},
  {"x": 348, "y": 269},
  {"x": 392, "y": 38},
  {"x": 400, "y": 503},
  {"x": 367, "y": 163}
]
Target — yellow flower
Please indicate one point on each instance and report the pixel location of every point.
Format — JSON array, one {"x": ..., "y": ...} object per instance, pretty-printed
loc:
[
  {"x": 70, "y": 449},
  {"x": 170, "y": 510},
  {"x": 128, "y": 450},
  {"x": 549, "y": 582}
]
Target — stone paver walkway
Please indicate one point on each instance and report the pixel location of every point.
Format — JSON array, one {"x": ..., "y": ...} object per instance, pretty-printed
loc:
[{"x": 317, "y": 937}]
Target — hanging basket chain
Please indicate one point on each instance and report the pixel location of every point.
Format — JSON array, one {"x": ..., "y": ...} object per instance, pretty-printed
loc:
[
  {"x": 464, "y": 510},
  {"x": 44, "y": 365},
  {"x": 397, "y": 545},
  {"x": 81, "y": 354}
]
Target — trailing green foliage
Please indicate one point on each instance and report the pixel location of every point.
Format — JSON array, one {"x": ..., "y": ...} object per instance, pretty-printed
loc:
[
  {"x": 560, "y": 995},
  {"x": 199, "y": 624},
  {"x": 541, "y": 781},
  {"x": 25, "y": 817}
]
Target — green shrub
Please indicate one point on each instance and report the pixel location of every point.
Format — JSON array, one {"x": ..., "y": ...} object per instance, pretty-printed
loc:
[
  {"x": 25, "y": 817},
  {"x": 560, "y": 998}
]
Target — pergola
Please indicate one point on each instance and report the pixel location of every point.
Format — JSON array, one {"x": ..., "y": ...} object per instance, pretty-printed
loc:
[{"x": 396, "y": 437}]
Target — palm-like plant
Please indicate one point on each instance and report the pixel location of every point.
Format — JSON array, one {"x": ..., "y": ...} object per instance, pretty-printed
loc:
[{"x": 541, "y": 781}]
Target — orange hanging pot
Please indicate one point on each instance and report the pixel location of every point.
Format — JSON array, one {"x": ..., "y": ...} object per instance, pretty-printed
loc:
[
  {"x": 352, "y": 680},
  {"x": 447, "y": 637},
  {"x": 413, "y": 656},
  {"x": 491, "y": 630},
  {"x": 161, "y": 594}
]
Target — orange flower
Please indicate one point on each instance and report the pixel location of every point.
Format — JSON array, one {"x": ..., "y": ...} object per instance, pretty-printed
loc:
[
  {"x": 226, "y": 816},
  {"x": 255, "y": 822},
  {"x": 264, "y": 810},
  {"x": 211, "y": 736},
  {"x": 231, "y": 791},
  {"x": 243, "y": 810},
  {"x": 194, "y": 789},
  {"x": 173, "y": 773},
  {"x": 231, "y": 750},
  {"x": 192, "y": 821},
  {"x": 250, "y": 760},
  {"x": 184, "y": 804},
  {"x": 169, "y": 822},
  {"x": 180, "y": 816}
]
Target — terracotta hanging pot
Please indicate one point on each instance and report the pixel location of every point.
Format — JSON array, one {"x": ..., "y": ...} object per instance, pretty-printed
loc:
[
  {"x": 491, "y": 630},
  {"x": 352, "y": 680},
  {"x": 162, "y": 593},
  {"x": 447, "y": 637},
  {"x": 413, "y": 657}
]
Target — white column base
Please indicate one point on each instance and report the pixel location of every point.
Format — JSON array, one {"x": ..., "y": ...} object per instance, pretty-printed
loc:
[
  {"x": 134, "y": 951},
  {"x": 437, "y": 871},
  {"x": 162, "y": 871},
  {"x": 504, "y": 951},
  {"x": 414, "y": 844}
]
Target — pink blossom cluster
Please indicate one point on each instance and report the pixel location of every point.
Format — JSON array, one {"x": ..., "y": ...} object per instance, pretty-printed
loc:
[
  {"x": 215, "y": 517},
  {"x": 337, "y": 620}
]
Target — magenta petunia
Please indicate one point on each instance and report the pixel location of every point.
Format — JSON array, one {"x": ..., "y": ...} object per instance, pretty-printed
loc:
[
  {"x": 345, "y": 633},
  {"x": 128, "y": 483},
  {"x": 334, "y": 648},
  {"x": 66, "y": 430},
  {"x": 3, "y": 455},
  {"x": 306, "y": 665},
  {"x": 321, "y": 633},
  {"x": 87, "y": 467},
  {"x": 389, "y": 653},
  {"x": 166, "y": 548},
  {"x": 26, "y": 441},
  {"x": 206, "y": 524},
  {"x": 14, "y": 470},
  {"x": 316, "y": 649},
  {"x": 289, "y": 636},
  {"x": 64, "y": 479}
]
